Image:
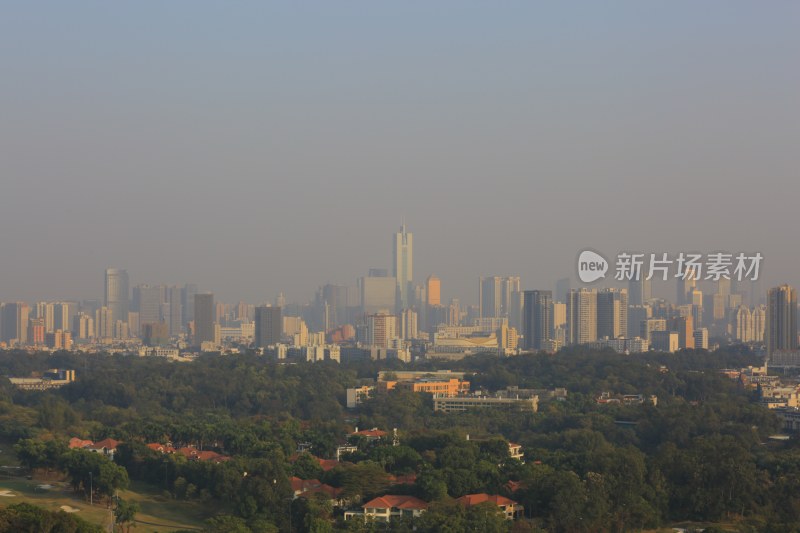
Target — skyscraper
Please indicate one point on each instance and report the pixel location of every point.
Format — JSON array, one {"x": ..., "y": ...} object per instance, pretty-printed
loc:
[
  {"x": 499, "y": 297},
  {"x": 636, "y": 315},
  {"x": 332, "y": 302},
  {"x": 381, "y": 329},
  {"x": 581, "y": 316},
  {"x": 378, "y": 294},
  {"x": 174, "y": 299},
  {"x": 61, "y": 316},
  {"x": 187, "y": 302},
  {"x": 408, "y": 324},
  {"x": 612, "y": 313},
  {"x": 686, "y": 285},
  {"x": 269, "y": 326},
  {"x": 781, "y": 324},
  {"x": 684, "y": 325},
  {"x": 104, "y": 323},
  {"x": 638, "y": 291},
  {"x": 14, "y": 324},
  {"x": 434, "y": 290},
  {"x": 204, "y": 327},
  {"x": 537, "y": 322},
  {"x": 563, "y": 286},
  {"x": 147, "y": 300},
  {"x": 403, "y": 266},
  {"x": 117, "y": 297}
]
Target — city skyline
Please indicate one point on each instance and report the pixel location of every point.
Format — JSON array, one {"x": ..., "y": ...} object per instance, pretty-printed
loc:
[{"x": 655, "y": 288}]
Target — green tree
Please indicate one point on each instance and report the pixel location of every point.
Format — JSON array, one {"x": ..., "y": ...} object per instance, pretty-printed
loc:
[
  {"x": 125, "y": 513},
  {"x": 30, "y": 452}
]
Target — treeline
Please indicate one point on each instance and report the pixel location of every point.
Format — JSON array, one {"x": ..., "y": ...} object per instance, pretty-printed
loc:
[{"x": 699, "y": 454}]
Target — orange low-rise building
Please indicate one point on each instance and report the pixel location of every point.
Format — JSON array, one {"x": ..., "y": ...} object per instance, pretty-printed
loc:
[
  {"x": 510, "y": 508},
  {"x": 449, "y": 388}
]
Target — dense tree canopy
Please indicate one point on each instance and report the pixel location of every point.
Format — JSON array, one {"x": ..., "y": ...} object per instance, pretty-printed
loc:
[{"x": 698, "y": 454}]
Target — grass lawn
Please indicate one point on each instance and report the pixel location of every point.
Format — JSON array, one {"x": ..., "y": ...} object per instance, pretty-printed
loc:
[{"x": 154, "y": 508}]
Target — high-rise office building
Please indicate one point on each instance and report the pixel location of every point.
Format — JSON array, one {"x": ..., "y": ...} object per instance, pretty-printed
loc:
[
  {"x": 14, "y": 323},
  {"x": 187, "y": 302},
  {"x": 563, "y": 287},
  {"x": 759, "y": 323},
  {"x": 83, "y": 326},
  {"x": 36, "y": 331},
  {"x": 537, "y": 321},
  {"x": 686, "y": 285},
  {"x": 104, "y": 323},
  {"x": 684, "y": 326},
  {"x": 175, "y": 317},
  {"x": 408, "y": 324},
  {"x": 378, "y": 293},
  {"x": 433, "y": 290},
  {"x": 332, "y": 303},
  {"x": 612, "y": 313},
  {"x": 117, "y": 297},
  {"x": 701, "y": 339},
  {"x": 636, "y": 315},
  {"x": 147, "y": 300},
  {"x": 269, "y": 326},
  {"x": 499, "y": 297},
  {"x": 651, "y": 325},
  {"x": 45, "y": 311},
  {"x": 781, "y": 319},
  {"x": 403, "y": 266},
  {"x": 61, "y": 314},
  {"x": 742, "y": 324},
  {"x": 204, "y": 325},
  {"x": 581, "y": 316},
  {"x": 381, "y": 329},
  {"x": 639, "y": 291}
]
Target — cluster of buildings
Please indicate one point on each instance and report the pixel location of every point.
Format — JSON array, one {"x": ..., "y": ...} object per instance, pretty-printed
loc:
[
  {"x": 389, "y": 314},
  {"x": 451, "y": 393},
  {"x": 52, "y": 379},
  {"x": 779, "y": 393}
]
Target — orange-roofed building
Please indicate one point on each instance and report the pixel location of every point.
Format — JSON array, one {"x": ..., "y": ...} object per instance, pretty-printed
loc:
[
  {"x": 437, "y": 387},
  {"x": 370, "y": 434},
  {"x": 309, "y": 487},
  {"x": 327, "y": 464},
  {"x": 76, "y": 443},
  {"x": 193, "y": 454},
  {"x": 107, "y": 447},
  {"x": 161, "y": 448},
  {"x": 509, "y": 507},
  {"x": 384, "y": 508}
]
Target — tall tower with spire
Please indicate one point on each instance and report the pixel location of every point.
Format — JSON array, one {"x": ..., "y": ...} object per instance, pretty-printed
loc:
[{"x": 402, "y": 266}]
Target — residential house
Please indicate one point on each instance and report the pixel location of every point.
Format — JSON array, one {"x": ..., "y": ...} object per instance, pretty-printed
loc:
[
  {"x": 385, "y": 508},
  {"x": 509, "y": 507}
]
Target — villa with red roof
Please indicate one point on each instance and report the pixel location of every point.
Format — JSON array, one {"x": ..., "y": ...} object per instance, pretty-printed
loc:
[
  {"x": 107, "y": 447},
  {"x": 76, "y": 443},
  {"x": 161, "y": 448},
  {"x": 385, "y": 508},
  {"x": 509, "y": 507},
  {"x": 307, "y": 487},
  {"x": 193, "y": 454}
]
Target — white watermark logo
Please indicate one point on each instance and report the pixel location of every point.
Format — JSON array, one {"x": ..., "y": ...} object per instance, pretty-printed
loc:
[
  {"x": 632, "y": 266},
  {"x": 591, "y": 266}
]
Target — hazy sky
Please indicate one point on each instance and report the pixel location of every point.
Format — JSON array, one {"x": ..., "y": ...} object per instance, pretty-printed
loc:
[{"x": 254, "y": 148}]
